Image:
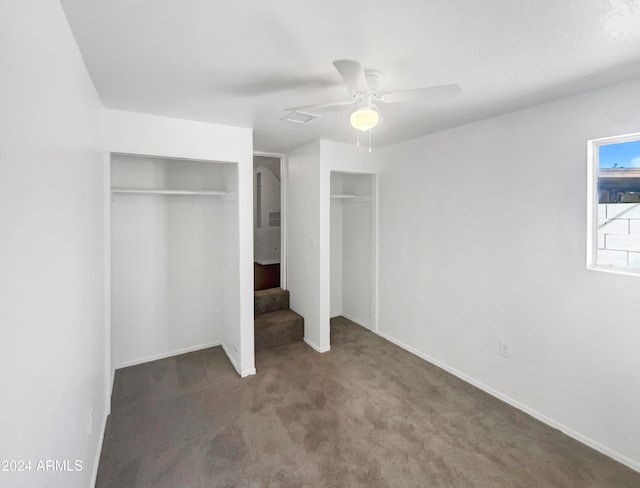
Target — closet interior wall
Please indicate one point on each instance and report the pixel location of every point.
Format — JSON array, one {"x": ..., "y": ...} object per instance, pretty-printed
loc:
[
  {"x": 351, "y": 247},
  {"x": 174, "y": 255}
]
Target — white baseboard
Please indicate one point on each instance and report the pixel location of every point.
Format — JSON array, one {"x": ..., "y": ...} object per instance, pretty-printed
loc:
[
  {"x": 236, "y": 366},
  {"x": 168, "y": 354},
  {"x": 514, "y": 403},
  {"x": 232, "y": 360},
  {"x": 315, "y": 347},
  {"x": 248, "y": 372},
  {"x": 355, "y": 320},
  {"x": 96, "y": 462}
]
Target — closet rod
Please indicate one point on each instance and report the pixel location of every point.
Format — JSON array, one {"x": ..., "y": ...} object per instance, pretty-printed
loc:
[{"x": 169, "y": 192}]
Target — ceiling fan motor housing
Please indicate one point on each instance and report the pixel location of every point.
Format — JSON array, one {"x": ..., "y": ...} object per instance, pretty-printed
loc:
[{"x": 374, "y": 81}]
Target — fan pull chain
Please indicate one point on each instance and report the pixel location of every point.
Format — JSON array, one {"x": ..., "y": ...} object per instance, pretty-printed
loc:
[
  {"x": 369, "y": 140},
  {"x": 358, "y": 138}
]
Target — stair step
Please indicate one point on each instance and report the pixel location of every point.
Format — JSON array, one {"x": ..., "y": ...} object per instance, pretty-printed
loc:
[
  {"x": 278, "y": 328},
  {"x": 271, "y": 300}
]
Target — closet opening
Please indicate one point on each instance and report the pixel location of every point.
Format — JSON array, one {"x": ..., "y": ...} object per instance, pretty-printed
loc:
[
  {"x": 353, "y": 248},
  {"x": 174, "y": 257},
  {"x": 268, "y": 225}
]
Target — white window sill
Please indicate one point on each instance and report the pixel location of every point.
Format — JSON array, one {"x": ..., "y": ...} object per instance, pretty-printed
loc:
[{"x": 614, "y": 270}]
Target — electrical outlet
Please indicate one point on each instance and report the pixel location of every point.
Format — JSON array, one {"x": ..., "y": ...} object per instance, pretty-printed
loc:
[
  {"x": 504, "y": 349},
  {"x": 90, "y": 422}
]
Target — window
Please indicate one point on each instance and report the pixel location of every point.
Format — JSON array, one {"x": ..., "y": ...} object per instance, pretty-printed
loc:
[
  {"x": 614, "y": 204},
  {"x": 274, "y": 219}
]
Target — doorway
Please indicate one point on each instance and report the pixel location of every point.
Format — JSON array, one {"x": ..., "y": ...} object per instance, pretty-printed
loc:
[
  {"x": 268, "y": 235},
  {"x": 353, "y": 248},
  {"x": 173, "y": 269}
]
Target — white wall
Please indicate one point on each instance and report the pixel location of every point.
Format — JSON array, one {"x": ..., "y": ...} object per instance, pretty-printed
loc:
[
  {"x": 302, "y": 241},
  {"x": 483, "y": 238},
  {"x": 309, "y": 234},
  {"x": 347, "y": 158},
  {"x": 134, "y": 133},
  {"x": 168, "y": 254},
  {"x": 352, "y": 244},
  {"x": 336, "y": 256},
  {"x": 357, "y": 276},
  {"x": 52, "y": 314}
]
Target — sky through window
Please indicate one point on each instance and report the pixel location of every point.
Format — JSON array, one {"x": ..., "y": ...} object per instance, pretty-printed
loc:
[{"x": 620, "y": 155}]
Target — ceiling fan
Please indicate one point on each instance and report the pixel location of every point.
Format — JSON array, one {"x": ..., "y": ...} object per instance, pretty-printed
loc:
[{"x": 365, "y": 87}]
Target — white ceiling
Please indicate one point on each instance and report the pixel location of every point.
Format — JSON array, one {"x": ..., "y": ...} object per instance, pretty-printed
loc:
[{"x": 242, "y": 62}]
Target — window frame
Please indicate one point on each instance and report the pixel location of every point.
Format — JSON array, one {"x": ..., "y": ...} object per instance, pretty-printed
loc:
[{"x": 593, "y": 163}]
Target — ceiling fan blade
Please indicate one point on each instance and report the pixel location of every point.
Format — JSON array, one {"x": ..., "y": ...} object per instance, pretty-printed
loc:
[
  {"x": 320, "y": 107},
  {"x": 353, "y": 75},
  {"x": 422, "y": 94},
  {"x": 262, "y": 84}
]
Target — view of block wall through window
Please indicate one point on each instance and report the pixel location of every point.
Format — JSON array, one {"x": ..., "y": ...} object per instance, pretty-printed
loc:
[
  {"x": 619, "y": 235},
  {"x": 619, "y": 202}
]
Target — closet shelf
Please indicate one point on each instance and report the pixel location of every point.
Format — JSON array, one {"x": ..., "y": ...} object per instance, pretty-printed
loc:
[
  {"x": 349, "y": 198},
  {"x": 168, "y": 192}
]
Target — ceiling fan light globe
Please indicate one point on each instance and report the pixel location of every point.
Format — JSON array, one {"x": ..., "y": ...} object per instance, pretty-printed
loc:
[{"x": 364, "y": 119}]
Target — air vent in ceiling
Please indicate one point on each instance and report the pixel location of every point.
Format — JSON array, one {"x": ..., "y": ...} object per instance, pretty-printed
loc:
[{"x": 300, "y": 117}]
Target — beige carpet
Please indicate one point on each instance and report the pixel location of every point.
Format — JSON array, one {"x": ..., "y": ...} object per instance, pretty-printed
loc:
[{"x": 365, "y": 414}]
